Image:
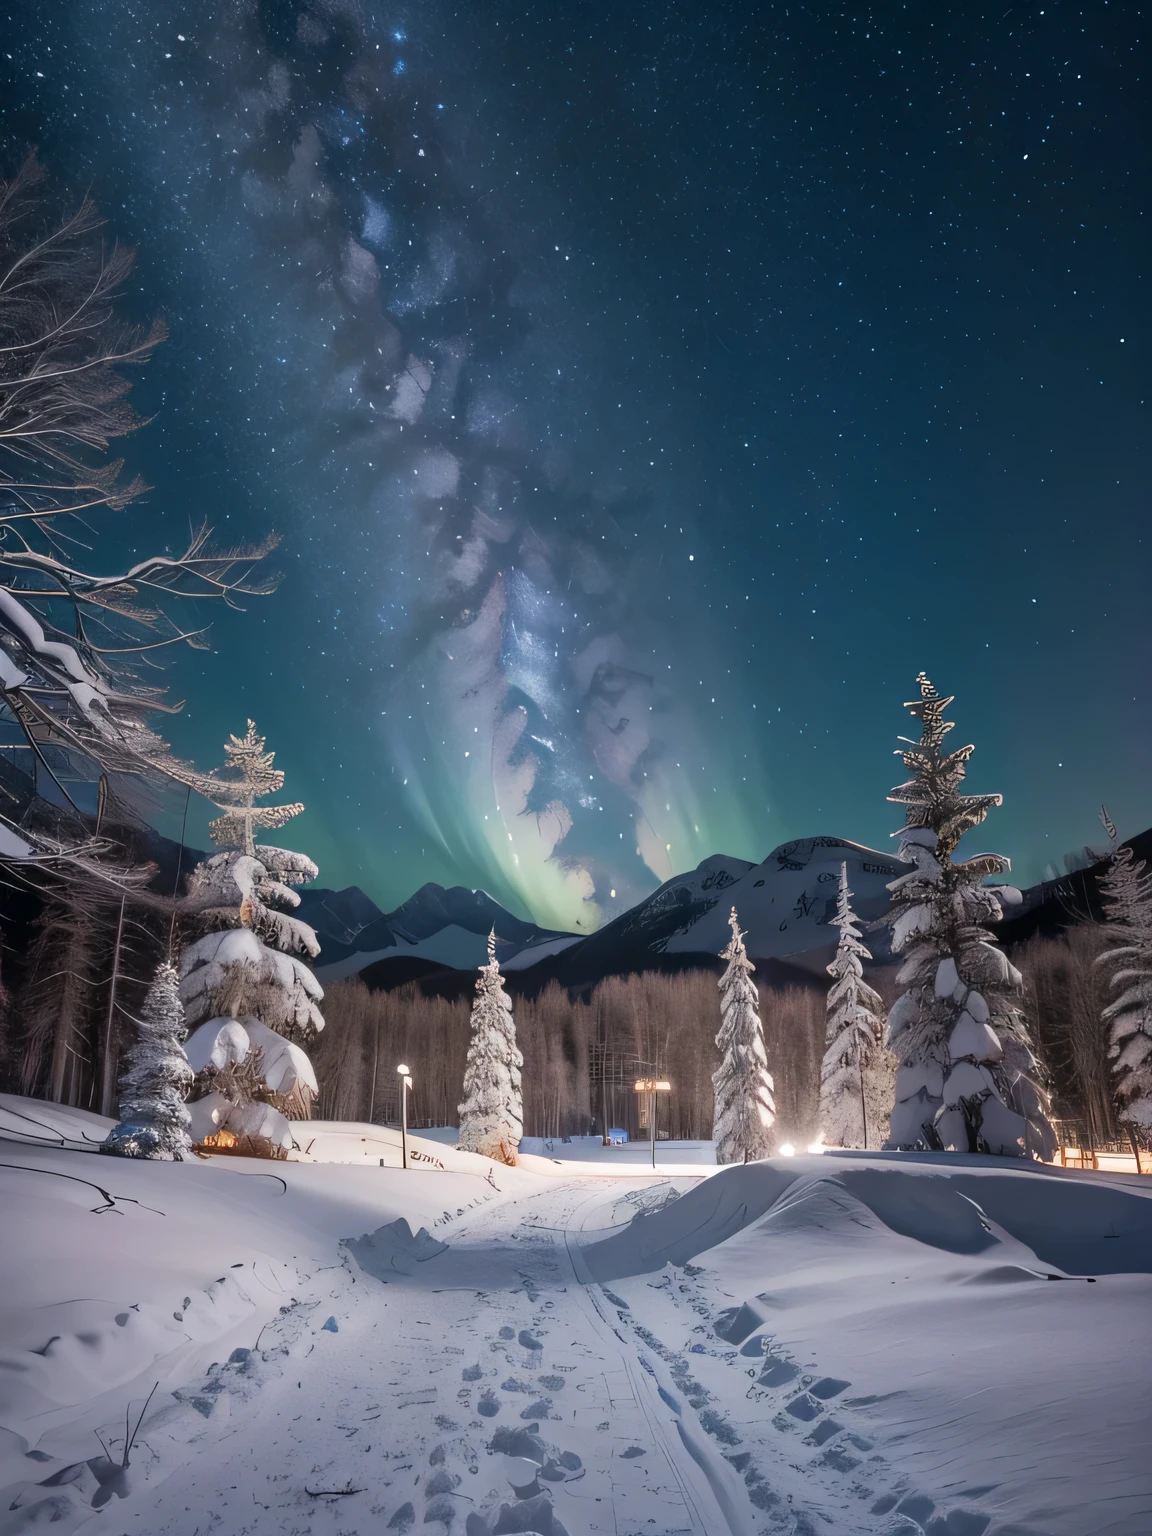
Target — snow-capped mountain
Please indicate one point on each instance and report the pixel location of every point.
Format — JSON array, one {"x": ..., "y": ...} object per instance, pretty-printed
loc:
[
  {"x": 442, "y": 927},
  {"x": 785, "y": 904}
]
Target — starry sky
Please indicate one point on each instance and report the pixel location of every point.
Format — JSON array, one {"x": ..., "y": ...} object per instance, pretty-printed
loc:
[{"x": 644, "y": 395}]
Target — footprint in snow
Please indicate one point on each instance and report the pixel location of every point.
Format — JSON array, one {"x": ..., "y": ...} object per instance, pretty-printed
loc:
[
  {"x": 471, "y": 1373},
  {"x": 526, "y": 1340},
  {"x": 805, "y": 1408},
  {"x": 778, "y": 1372},
  {"x": 830, "y": 1386},
  {"x": 823, "y": 1431},
  {"x": 538, "y": 1410},
  {"x": 489, "y": 1404},
  {"x": 507, "y": 1333},
  {"x": 521, "y": 1473},
  {"x": 441, "y": 1509}
]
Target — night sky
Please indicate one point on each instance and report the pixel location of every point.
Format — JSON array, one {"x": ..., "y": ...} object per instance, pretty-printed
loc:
[{"x": 644, "y": 394}]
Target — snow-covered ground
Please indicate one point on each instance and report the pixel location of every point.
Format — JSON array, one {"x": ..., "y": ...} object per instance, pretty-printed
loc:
[{"x": 843, "y": 1344}]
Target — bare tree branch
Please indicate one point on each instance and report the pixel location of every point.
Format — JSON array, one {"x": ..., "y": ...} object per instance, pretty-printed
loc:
[{"x": 63, "y": 398}]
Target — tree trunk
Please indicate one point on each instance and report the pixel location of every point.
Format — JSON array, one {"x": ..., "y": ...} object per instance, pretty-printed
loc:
[
  {"x": 70, "y": 990},
  {"x": 106, "y": 1079}
]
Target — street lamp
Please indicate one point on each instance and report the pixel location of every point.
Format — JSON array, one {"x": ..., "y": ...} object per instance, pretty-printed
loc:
[
  {"x": 652, "y": 1086},
  {"x": 405, "y": 1084}
]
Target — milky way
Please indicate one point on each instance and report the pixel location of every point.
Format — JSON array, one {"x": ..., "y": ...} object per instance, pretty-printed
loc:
[{"x": 643, "y": 402}]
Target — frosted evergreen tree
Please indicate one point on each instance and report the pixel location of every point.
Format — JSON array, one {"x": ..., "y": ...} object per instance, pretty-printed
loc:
[
  {"x": 967, "y": 1079},
  {"x": 745, "y": 1109},
  {"x": 250, "y": 998},
  {"x": 156, "y": 1080},
  {"x": 492, "y": 1114},
  {"x": 854, "y": 1074},
  {"x": 1127, "y": 889}
]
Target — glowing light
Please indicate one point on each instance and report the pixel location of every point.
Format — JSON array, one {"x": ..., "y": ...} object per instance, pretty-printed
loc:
[{"x": 787, "y": 1150}]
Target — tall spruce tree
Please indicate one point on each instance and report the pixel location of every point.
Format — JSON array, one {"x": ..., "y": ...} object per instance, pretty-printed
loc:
[
  {"x": 745, "y": 1109},
  {"x": 1127, "y": 889},
  {"x": 854, "y": 1074},
  {"x": 251, "y": 1002},
  {"x": 155, "y": 1082},
  {"x": 967, "y": 1079},
  {"x": 492, "y": 1113}
]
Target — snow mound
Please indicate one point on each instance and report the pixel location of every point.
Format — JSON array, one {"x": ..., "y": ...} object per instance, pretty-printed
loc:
[
  {"x": 40, "y": 1123},
  {"x": 851, "y": 1312},
  {"x": 1055, "y": 1219},
  {"x": 394, "y": 1249},
  {"x": 717, "y": 1209},
  {"x": 118, "y": 1275}
]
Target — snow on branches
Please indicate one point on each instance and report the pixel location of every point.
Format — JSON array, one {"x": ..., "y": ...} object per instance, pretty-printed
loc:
[
  {"x": 745, "y": 1109},
  {"x": 73, "y": 641},
  {"x": 855, "y": 1076},
  {"x": 155, "y": 1082},
  {"x": 254, "y": 778},
  {"x": 252, "y": 1001},
  {"x": 492, "y": 1113},
  {"x": 967, "y": 1079},
  {"x": 1127, "y": 889}
]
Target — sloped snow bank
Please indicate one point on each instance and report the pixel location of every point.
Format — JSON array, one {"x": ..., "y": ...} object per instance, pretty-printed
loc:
[
  {"x": 39, "y": 1123},
  {"x": 1077, "y": 1226},
  {"x": 679, "y": 1230},
  {"x": 118, "y": 1275},
  {"x": 889, "y": 1345},
  {"x": 1081, "y": 1224}
]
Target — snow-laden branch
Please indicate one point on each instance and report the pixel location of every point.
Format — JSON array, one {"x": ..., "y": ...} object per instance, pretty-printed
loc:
[{"x": 63, "y": 397}]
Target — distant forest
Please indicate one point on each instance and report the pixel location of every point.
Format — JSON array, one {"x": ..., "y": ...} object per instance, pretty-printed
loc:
[{"x": 582, "y": 1052}]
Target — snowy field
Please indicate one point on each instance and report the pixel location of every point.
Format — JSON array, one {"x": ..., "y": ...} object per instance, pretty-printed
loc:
[{"x": 907, "y": 1346}]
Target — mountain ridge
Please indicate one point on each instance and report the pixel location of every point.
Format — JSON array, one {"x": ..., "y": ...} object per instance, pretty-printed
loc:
[{"x": 785, "y": 903}]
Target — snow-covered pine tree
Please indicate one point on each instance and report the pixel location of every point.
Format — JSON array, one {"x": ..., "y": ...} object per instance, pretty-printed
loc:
[
  {"x": 156, "y": 1080},
  {"x": 967, "y": 1079},
  {"x": 745, "y": 1109},
  {"x": 1127, "y": 889},
  {"x": 492, "y": 1114},
  {"x": 855, "y": 1074},
  {"x": 250, "y": 1001}
]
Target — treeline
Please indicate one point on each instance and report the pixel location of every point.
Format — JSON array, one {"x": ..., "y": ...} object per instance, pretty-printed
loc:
[
  {"x": 581, "y": 1055},
  {"x": 575, "y": 1046},
  {"x": 1065, "y": 994}
]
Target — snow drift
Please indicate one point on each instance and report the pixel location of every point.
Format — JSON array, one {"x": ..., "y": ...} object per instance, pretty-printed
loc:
[
  {"x": 952, "y": 1203},
  {"x": 827, "y": 1317}
]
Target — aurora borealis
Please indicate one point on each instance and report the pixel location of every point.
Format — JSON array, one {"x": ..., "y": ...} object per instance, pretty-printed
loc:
[{"x": 643, "y": 399}]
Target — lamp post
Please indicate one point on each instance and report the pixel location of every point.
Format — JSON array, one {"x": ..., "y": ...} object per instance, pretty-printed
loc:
[
  {"x": 652, "y": 1086},
  {"x": 405, "y": 1084}
]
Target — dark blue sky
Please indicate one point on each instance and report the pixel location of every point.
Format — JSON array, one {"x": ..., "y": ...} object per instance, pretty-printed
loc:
[{"x": 643, "y": 399}]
